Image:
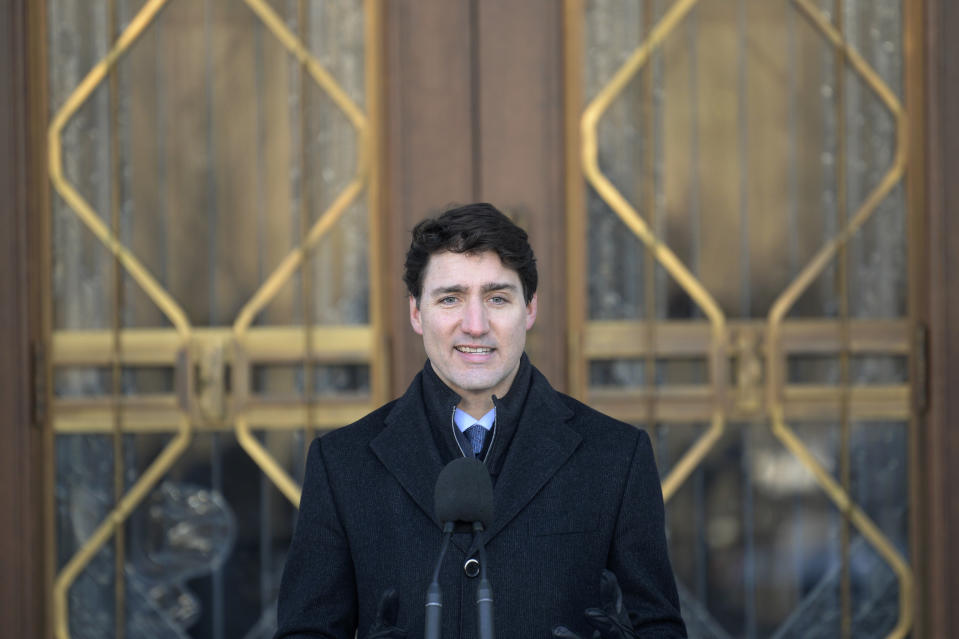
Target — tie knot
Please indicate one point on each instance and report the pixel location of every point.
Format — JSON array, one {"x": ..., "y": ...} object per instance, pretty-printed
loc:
[{"x": 477, "y": 435}]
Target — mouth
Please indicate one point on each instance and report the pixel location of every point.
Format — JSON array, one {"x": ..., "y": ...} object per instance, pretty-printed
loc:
[{"x": 475, "y": 350}]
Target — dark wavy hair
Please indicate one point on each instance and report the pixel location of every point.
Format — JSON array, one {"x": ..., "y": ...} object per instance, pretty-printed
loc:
[{"x": 472, "y": 228}]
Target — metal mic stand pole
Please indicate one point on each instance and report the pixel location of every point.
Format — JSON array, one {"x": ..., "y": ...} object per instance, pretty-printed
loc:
[
  {"x": 434, "y": 596},
  {"x": 484, "y": 593}
]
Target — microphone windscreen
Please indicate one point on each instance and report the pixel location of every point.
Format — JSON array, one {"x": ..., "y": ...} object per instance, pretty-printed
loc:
[{"x": 464, "y": 493}]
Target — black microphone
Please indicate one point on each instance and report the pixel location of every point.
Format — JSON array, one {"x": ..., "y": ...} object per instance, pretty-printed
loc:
[{"x": 463, "y": 494}]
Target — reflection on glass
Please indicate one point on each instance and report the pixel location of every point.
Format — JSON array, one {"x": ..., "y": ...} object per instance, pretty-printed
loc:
[{"x": 185, "y": 532}]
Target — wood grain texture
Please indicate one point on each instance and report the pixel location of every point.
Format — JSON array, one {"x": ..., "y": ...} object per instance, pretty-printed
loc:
[
  {"x": 939, "y": 448},
  {"x": 21, "y": 496},
  {"x": 474, "y": 102},
  {"x": 429, "y": 144},
  {"x": 520, "y": 143}
]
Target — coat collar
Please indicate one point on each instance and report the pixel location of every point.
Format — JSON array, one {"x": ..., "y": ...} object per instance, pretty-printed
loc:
[
  {"x": 540, "y": 446},
  {"x": 406, "y": 447},
  {"x": 440, "y": 401}
]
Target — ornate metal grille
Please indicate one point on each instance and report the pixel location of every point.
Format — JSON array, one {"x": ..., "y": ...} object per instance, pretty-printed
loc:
[
  {"x": 170, "y": 333},
  {"x": 738, "y": 266}
]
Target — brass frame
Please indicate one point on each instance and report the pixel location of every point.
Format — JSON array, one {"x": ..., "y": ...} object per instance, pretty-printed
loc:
[
  {"x": 37, "y": 17},
  {"x": 241, "y": 345},
  {"x": 782, "y": 401},
  {"x": 914, "y": 12}
]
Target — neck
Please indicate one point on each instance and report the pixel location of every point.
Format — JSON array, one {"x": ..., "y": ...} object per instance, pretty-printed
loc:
[{"x": 476, "y": 407}]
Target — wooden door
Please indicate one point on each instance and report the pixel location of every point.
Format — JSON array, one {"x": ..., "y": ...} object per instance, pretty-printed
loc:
[{"x": 454, "y": 102}]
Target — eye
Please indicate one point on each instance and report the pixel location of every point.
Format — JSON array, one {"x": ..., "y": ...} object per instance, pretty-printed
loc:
[
  {"x": 498, "y": 300},
  {"x": 449, "y": 299}
]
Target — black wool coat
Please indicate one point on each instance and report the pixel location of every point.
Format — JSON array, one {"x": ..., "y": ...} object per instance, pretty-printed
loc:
[{"x": 576, "y": 492}]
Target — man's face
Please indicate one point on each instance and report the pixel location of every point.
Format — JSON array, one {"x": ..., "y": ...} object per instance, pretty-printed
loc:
[{"x": 473, "y": 319}]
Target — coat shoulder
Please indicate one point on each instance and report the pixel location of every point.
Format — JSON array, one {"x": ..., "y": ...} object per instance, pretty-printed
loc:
[
  {"x": 593, "y": 423},
  {"x": 584, "y": 419},
  {"x": 359, "y": 433}
]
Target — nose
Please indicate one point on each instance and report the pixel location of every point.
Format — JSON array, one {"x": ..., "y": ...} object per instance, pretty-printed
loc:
[{"x": 474, "y": 320}]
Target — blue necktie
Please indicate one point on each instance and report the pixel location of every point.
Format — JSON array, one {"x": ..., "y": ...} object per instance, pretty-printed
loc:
[{"x": 477, "y": 435}]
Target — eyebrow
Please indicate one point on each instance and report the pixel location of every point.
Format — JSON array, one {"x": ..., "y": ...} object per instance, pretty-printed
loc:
[
  {"x": 498, "y": 286},
  {"x": 487, "y": 288}
]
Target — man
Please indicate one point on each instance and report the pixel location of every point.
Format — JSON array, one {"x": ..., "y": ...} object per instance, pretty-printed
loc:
[{"x": 576, "y": 493}]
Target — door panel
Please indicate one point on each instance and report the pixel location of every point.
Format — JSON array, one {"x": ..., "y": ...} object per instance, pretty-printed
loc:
[
  {"x": 739, "y": 215},
  {"x": 215, "y": 217}
]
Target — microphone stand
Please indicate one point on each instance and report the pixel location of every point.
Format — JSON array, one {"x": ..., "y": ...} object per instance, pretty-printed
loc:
[
  {"x": 434, "y": 596},
  {"x": 484, "y": 593}
]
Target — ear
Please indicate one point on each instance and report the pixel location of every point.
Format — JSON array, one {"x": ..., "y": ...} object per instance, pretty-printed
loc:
[
  {"x": 531, "y": 312},
  {"x": 415, "y": 317}
]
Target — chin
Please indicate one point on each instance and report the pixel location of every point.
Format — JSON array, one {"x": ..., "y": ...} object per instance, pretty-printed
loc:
[
  {"x": 469, "y": 382},
  {"x": 481, "y": 386}
]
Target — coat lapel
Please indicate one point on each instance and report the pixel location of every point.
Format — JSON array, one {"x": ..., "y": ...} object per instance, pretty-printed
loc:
[
  {"x": 407, "y": 450},
  {"x": 541, "y": 445}
]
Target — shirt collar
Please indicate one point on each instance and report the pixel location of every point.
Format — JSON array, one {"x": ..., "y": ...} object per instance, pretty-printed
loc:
[{"x": 464, "y": 420}]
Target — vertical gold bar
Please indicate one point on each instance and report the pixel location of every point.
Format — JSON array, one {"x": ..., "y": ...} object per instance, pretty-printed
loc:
[
  {"x": 373, "y": 36},
  {"x": 913, "y": 51},
  {"x": 648, "y": 194},
  {"x": 40, "y": 190},
  {"x": 842, "y": 276},
  {"x": 306, "y": 275},
  {"x": 577, "y": 299},
  {"x": 119, "y": 543}
]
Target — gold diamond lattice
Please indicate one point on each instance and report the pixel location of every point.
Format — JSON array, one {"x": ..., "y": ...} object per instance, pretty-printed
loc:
[
  {"x": 836, "y": 493},
  {"x": 164, "y": 301},
  {"x": 663, "y": 254},
  {"x": 288, "y": 266},
  {"x": 628, "y": 214}
]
